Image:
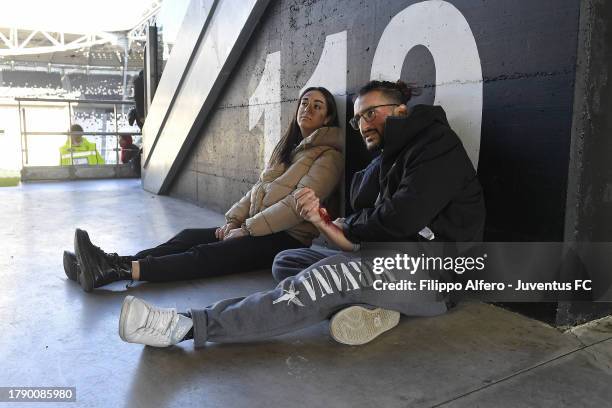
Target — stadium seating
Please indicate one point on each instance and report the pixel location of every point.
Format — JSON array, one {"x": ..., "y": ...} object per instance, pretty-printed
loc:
[
  {"x": 31, "y": 79},
  {"x": 92, "y": 86}
]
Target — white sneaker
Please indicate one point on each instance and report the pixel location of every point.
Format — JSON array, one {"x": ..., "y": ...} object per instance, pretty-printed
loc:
[
  {"x": 357, "y": 325},
  {"x": 146, "y": 324}
]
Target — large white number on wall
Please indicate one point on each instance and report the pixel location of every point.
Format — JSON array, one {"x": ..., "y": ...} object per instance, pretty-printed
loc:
[
  {"x": 330, "y": 71},
  {"x": 266, "y": 101},
  {"x": 441, "y": 28}
]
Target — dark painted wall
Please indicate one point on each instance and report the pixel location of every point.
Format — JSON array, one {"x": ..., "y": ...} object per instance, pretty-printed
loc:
[
  {"x": 589, "y": 203},
  {"x": 589, "y": 215},
  {"x": 527, "y": 53}
]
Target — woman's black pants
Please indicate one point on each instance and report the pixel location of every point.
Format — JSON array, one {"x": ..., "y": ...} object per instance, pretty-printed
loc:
[{"x": 196, "y": 253}]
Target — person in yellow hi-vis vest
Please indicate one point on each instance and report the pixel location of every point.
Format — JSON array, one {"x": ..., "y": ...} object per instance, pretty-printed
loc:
[{"x": 78, "y": 150}]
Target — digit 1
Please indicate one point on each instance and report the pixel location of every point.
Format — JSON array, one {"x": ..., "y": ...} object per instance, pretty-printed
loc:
[
  {"x": 330, "y": 71},
  {"x": 266, "y": 101}
]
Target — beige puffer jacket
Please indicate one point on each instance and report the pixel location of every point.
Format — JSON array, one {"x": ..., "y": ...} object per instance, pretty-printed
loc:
[{"x": 269, "y": 207}]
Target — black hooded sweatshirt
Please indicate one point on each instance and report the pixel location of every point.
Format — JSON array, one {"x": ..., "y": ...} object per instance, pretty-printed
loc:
[{"x": 422, "y": 178}]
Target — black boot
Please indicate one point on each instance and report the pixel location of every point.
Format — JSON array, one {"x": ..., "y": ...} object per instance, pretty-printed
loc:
[
  {"x": 97, "y": 267},
  {"x": 71, "y": 266}
]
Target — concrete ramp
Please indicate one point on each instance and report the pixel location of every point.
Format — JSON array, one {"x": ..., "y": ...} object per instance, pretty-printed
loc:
[{"x": 211, "y": 40}]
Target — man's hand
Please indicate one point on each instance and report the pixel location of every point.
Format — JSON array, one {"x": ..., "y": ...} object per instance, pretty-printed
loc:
[
  {"x": 223, "y": 230},
  {"x": 308, "y": 205},
  {"x": 235, "y": 233}
]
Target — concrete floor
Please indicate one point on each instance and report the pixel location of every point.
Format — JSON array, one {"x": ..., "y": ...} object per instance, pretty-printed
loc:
[{"x": 54, "y": 334}]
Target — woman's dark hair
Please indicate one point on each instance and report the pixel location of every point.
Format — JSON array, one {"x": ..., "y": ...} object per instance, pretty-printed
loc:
[
  {"x": 398, "y": 92},
  {"x": 76, "y": 128},
  {"x": 293, "y": 135}
]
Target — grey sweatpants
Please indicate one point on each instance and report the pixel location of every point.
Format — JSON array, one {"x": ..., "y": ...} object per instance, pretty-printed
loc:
[{"x": 314, "y": 283}]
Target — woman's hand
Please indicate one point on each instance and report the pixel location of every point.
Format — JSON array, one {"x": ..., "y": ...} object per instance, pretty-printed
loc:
[
  {"x": 308, "y": 205},
  {"x": 223, "y": 230},
  {"x": 235, "y": 233}
]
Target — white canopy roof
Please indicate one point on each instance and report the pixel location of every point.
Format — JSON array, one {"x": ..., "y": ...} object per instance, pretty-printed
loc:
[{"x": 74, "y": 16}]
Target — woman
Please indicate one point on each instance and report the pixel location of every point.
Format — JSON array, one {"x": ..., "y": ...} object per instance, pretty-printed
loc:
[{"x": 263, "y": 223}]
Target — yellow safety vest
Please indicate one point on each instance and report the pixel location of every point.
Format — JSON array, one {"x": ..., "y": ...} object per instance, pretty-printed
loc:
[{"x": 84, "y": 153}]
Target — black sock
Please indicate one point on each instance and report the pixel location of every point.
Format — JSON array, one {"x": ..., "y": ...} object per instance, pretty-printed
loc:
[{"x": 189, "y": 335}]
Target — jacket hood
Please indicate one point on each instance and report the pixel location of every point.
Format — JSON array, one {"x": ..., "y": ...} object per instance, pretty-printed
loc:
[
  {"x": 400, "y": 130},
  {"x": 325, "y": 136}
]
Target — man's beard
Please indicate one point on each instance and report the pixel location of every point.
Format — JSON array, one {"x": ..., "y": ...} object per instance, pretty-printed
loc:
[
  {"x": 374, "y": 148},
  {"x": 378, "y": 146}
]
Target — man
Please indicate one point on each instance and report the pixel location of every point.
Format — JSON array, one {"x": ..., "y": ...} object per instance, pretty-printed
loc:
[
  {"x": 79, "y": 150},
  {"x": 128, "y": 149},
  {"x": 421, "y": 187}
]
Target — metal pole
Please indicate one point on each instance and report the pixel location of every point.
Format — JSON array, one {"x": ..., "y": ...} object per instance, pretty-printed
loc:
[
  {"x": 21, "y": 131},
  {"x": 70, "y": 113},
  {"x": 125, "y": 68},
  {"x": 70, "y": 136},
  {"x": 25, "y": 130},
  {"x": 151, "y": 65},
  {"x": 116, "y": 136}
]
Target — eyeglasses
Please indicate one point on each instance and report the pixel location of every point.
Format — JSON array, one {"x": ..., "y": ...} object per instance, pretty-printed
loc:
[{"x": 369, "y": 115}]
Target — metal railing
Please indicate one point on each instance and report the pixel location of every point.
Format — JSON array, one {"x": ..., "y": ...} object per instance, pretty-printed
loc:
[{"x": 71, "y": 104}]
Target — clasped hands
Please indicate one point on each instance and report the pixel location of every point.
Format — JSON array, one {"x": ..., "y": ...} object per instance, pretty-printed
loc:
[
  {"x": 307, "y": 205},
  {"x": 229, "y": 231}
]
